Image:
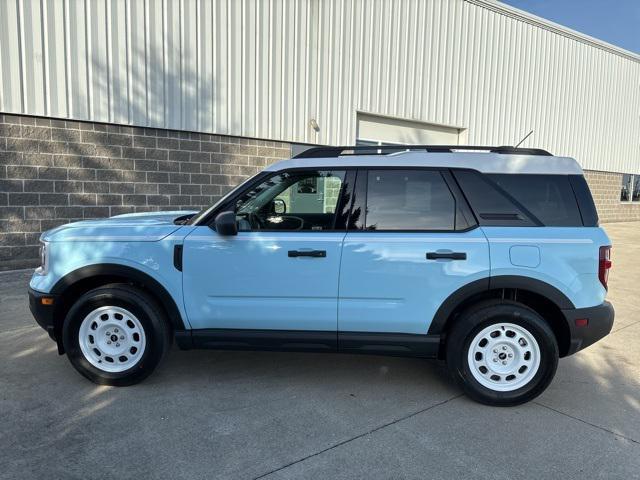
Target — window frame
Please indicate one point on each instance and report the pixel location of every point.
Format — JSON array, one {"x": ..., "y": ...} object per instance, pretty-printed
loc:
[
  {"x": 624, "y": 202},
  {"x": 634, "y": 178},
  {"x": 461, "y": 206},
  {"x": 229, "y": 204}
]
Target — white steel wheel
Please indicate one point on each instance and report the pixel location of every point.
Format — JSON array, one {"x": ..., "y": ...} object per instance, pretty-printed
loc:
[
  {"x": 112, "y": 339},
  {"x": 504, "y": 357}
]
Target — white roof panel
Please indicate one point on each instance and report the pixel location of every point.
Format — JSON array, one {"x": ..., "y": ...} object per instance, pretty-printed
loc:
[{"x": 483, "y": 162}]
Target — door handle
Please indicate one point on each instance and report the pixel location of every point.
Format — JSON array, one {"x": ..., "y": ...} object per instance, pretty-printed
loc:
[
  {"x": 446, "y": 255},
  {"x": 308, "y": 253}
]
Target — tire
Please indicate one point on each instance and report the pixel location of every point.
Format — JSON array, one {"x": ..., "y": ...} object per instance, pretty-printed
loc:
[
  {"x": 500, "y": 372},
  {"x": 116, "y": 335}
]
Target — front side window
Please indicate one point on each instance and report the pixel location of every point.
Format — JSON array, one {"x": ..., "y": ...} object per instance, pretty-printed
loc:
[
  {"x": 409, "y": 200},
  {"x": 291, "y": 201},
  {"x": 625, "y": 190}
]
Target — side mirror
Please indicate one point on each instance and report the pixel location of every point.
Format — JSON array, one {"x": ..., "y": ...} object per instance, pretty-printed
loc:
[
  {"x": 278, "y": 207},
  {"x": 226, "y": 223}
]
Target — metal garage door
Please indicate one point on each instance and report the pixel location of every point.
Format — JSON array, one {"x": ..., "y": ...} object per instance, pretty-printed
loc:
[{"x": 379, "y": 130}]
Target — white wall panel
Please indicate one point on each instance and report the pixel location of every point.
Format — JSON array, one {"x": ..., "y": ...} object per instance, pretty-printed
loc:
[
  {"x": 11, "y": 95},
  {"x": 265, "y": 68}
]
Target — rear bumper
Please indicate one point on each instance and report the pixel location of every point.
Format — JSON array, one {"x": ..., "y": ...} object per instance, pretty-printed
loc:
[
  {"x": 43, "y": 313},
  {"x": 600, "y": 322}
]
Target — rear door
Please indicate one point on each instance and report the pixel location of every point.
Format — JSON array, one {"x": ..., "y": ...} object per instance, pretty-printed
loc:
[{"x": 412, "y": 242}]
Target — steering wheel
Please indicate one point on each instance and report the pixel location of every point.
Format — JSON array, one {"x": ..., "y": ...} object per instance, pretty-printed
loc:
[
  {"x": 293, "y": 217},
  {"x": 254, "y": 220}
]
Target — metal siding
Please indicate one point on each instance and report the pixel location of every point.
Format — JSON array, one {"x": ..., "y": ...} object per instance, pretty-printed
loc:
[
  {"x": 155, "y": 63},
  {"x": 137, "y": 74},
  {"x": 11, "y": 95},
  {"x": 174, "y": 89},
  {"x": 76, "y": 61},
  {"x": 265, "y": 68},
  {"x": 55, "y": 53},
  {"x": 33, "y": 73}
]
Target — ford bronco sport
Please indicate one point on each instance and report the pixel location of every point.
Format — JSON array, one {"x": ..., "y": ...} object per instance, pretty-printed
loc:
[{"x": 489, "y": 258}]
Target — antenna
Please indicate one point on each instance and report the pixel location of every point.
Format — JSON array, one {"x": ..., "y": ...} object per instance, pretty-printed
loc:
[{"x": 526, "y": 136}]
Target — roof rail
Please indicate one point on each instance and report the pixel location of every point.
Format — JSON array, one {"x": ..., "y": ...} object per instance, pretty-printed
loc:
[{"x": 327, "y": 151}]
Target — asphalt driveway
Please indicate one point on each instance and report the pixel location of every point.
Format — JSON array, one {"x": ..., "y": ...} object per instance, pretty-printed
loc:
[{"x": 207, "y": 414}]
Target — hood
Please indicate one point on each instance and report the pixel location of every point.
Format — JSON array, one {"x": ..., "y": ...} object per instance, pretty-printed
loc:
[
  {"x": 143, "y": 218},
  {"x": 129, "y": 227}
]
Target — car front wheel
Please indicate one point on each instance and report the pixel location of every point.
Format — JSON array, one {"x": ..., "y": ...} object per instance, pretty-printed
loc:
[
  {"x": 115, "y": 335},
  {"x": 502, "y": 353}
]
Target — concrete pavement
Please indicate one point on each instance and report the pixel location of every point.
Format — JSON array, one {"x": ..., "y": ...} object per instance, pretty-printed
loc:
[{"x": 207, "y": 414}]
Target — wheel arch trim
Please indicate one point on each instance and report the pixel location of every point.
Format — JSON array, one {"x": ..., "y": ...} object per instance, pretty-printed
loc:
[
  {"x": 466, "y": 292},
  {"x": 158, "y": 291}
]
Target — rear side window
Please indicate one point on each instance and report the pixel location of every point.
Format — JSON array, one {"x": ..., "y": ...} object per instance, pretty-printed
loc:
[
  {"x": 492, "y": 208},
  {"x": 513, "y": 200},
  {"x": 549, "y": 198},
  {"x": 585, "y": 200},
  {"x": 409, "y": 200}
]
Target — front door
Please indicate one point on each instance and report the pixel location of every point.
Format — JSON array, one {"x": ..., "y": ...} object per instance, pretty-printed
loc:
[{"x": 281, "y": 271}]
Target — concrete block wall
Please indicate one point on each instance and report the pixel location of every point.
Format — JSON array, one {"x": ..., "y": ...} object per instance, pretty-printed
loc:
[
  {"x": 605, "y": 188},
  {"x": 56, "y": 171}
]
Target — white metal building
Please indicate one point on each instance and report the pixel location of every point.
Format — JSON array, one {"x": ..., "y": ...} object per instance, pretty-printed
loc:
[
  {"x": 332, "y": 72},
  {"x": 264, "y": 69}
]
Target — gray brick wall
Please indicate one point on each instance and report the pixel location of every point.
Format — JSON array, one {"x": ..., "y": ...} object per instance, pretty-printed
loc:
[
  {"x": 56, "y": 171},
  {"x": 605, "y": 188}
]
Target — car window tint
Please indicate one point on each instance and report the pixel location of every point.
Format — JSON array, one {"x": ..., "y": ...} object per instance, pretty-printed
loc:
[
  {"x": 492, "y": 208},
  {"x": 549, "y": 197},
  {"x": 409, "y": 200},
  {"x": 585, "y": 201}
]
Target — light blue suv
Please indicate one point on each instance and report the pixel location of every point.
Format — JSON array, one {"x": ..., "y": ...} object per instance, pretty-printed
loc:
[{"x": 488, "y": 258}]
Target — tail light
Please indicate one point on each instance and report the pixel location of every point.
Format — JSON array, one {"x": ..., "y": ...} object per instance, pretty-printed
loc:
[{"x": 604, "y": 265}]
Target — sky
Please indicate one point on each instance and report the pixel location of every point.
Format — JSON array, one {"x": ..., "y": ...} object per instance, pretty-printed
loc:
[{"x": 614, "y": 21}]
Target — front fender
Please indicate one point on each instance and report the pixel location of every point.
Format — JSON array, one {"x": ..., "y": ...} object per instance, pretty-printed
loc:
[
  {"x": 148, "y": 263},
  {"x": 113, "y": 270}
]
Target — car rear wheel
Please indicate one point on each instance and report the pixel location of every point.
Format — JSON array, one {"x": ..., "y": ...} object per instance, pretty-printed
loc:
[
  {"x": 502, "y": 353},
  {"x": 115, "y": 335}
]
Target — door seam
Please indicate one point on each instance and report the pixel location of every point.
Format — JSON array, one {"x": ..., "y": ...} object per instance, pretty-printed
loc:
[{"x": 338, "y": 288}]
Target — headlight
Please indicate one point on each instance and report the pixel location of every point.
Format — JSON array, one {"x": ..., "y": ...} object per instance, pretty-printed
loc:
[{"x": 43, "y": 269}]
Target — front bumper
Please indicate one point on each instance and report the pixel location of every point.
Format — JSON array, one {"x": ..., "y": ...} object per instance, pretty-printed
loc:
[
  {"x": 43, "y": 313},
  {"x": 599, "y": 324}
]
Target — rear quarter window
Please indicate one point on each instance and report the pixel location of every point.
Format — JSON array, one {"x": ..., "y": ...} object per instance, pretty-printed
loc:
[{"x": 550, "y": 198}]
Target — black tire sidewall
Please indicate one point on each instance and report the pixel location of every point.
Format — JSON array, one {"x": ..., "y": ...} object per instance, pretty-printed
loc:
[
  {"x": 139, "y": 305},
  {"x": 475, "y": 321}
]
